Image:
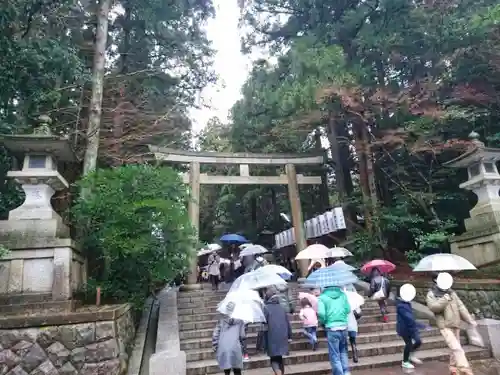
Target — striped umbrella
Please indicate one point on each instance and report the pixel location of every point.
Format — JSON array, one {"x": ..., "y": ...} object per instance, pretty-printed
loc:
[{"x": 326, "y": 277}]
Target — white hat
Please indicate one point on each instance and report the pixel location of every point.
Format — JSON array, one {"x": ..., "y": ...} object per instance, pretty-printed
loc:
[
  {"x": 407, "y": 292},
  {"x": 444, "y": 281}
]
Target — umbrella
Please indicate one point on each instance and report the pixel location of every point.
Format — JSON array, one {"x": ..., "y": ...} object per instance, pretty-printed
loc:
[
  {"x": 204, "y": 252},
  {"x": 383, "y": 265},
  {"x": 257, "y": 279},
  {"x": 325, "y": 277},
  {"x": 214, "y": 247},
  {"x": 340, "y": 265},
  {"x": 233, "y": 238},
  {"x": 355, "y": 300},
  {"x": 244, "y": 245},
  {"x": 253, "y": 250},
  {"x": 244, "y": 305},
  {"x": 279, "y": 270},
  {"x": 443, "y": 262},
  {"x": 339, "y": 252},
  {"x": 316, "y": 251}
]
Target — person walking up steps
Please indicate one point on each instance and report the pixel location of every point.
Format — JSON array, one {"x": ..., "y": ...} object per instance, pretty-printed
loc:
[
  {"x": 309, "y": 321},
  {"x": 333, "y": 312},
  {"x": 279, "y": 331},
  {"x": 380, "y": 289},
  {"x": 352, "y": 326},
  {"x": 450, "y": 311},
  {"x": 407, "y": 327},
  {"x": 227, "y": 343},
  {"x": 214, "y": 270}
]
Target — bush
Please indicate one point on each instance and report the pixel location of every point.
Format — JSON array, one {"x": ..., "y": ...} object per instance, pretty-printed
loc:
[{"x": 134, "y": 227}]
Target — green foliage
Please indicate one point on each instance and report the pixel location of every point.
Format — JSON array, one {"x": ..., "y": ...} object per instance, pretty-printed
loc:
[
  {"x": 3, "y": 251},
  {"x": 134, "y": 226}
]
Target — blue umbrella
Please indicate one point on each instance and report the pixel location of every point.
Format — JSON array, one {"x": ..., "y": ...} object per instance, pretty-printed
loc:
[
  {"x": 341, "y": 266},
  {"x": 326, "y": 277},
  {"x": 234, "y": 238}
]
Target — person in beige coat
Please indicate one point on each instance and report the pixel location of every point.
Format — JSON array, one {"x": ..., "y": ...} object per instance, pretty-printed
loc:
[{"x": 450, "y": 311}]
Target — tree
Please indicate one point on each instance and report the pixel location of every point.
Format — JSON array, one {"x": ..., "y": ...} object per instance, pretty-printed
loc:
[{"x": 135, "y": 228}]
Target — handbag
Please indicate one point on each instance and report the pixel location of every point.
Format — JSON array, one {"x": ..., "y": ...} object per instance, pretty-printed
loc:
[
  {"x": 475, "y": 337},
  {"x": 357, "y": 314},
  {"x": 379, "y": 294}
]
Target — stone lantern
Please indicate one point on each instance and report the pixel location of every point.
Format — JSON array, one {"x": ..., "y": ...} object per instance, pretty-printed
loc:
[
  {"x": 43, "y": 257},
  {"x": 481, "y": 241}
]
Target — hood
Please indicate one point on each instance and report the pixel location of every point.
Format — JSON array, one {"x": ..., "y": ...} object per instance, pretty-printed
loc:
[
  {"x": 439, "y": 292},
  {"x": 273, "y": 300},
  {"x": 332, "y": 293},
  {"x": 229, "y": 321},
  {"x": 403, "y": 304}
]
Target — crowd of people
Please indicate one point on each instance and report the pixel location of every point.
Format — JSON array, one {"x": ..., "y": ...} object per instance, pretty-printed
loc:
[{"x": 329, "y": 308}]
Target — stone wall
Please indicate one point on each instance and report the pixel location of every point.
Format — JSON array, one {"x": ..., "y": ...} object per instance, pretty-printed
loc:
[
  {"x": 86, "y": 348},
  {"x": 481, "y": 298}
]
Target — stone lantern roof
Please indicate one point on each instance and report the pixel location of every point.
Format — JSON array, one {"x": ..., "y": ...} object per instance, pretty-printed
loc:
[
  {"x": 478, "y": 153},
  {"x": 41, "y": 141}
]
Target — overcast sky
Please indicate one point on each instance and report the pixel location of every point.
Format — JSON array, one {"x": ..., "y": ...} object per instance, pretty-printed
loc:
[{"x": 230, "y": 64}]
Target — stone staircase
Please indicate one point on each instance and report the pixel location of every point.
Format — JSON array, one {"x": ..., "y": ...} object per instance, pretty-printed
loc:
[{"x": 378, "y": 343}]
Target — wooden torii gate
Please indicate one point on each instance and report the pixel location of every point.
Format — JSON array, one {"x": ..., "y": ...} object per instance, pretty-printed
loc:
[{"x": 195, "y": 179}]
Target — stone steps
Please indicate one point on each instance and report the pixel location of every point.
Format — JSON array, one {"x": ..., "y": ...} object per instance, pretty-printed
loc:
[
  {"x": 195, "y": 317},
  {"x": 294, "y": 321},
  {"x": 378, "y": 343},
  {"x": 252, "y": 328},
  {"x": 321, "y": 354},
  {"x": 324, "y": 368},
  {"x": 301, "y": 343}
]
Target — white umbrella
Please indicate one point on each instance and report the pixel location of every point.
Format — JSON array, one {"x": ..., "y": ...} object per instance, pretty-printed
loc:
[
  {"x": 257, "y": 279},
  {"x": 244, "y": 245},
  {"x": 355, "y": 300},
  {"x": 214, "y": 247},
  {"x": 316, "y": 251},
  {"x": 225, "y": 261},
  {"x": 243, "y": 306},
  {"x": 339, "y": 252},
  {"x": 204, "y": 252},
  {"x": 443, "y": 262},
  {"x": 253, "y": 250},
  {"x": 279, "y": 270}
]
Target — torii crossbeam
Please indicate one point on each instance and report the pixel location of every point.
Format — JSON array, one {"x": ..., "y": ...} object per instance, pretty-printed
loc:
[{"x": 195, "y": 179}]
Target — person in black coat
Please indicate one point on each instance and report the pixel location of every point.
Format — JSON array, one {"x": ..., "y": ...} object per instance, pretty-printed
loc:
[
  {"x": 408, "y": 328},
  {"x": 278, "y": 330},
  {"x": 380, "y": 288}
]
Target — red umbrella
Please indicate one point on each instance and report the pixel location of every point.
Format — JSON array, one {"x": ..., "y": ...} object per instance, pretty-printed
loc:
[{"x": 383, "y": 265}]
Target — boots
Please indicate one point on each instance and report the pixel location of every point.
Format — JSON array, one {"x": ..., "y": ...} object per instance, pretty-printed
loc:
[{"x": 354, "y": 352}]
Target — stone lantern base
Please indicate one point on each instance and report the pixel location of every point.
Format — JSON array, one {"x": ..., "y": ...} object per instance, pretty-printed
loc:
[
  {"x": 50, "y": 266},
  {"x": 480, "y": 244}
]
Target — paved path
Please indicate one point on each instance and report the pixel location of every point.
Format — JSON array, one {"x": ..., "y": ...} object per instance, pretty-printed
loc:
[{"x": 435, "y": 368}]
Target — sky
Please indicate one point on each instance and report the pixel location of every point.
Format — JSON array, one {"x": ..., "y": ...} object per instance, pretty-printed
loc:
[{"x": 230, "y": 64}]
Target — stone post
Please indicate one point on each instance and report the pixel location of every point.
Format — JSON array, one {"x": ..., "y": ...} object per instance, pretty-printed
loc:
[
  {"x": 297, "y": 220},
  {"x": 194, "y": 216}
]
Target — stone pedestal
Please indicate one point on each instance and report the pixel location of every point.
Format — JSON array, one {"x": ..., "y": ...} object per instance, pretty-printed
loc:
[
  {"x": 54, "y": 267},
  {"x": 490, "y": 331}
]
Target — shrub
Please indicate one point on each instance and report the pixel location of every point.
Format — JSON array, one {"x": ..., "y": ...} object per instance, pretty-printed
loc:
[{"x": 134, "y": 227}]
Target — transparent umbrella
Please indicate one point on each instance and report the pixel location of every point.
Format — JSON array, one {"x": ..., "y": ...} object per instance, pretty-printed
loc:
[
  {"x": 243, "y": 305},
  {"x": 279, "y": 270},
  {"x": 443, "y": 262},
  {"x": 253, "y": 250},
  {"x": 257, "y": 279}
]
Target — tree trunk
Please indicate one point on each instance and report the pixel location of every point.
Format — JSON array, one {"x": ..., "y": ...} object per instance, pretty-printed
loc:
[{"x": 93, "y": 129}]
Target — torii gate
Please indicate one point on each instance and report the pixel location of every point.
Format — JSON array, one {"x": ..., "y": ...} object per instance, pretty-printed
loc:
[{"x": 195, "y": 179}]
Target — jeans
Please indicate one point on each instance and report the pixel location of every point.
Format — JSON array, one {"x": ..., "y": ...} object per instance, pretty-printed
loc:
[
  {"x": 337, "y": 351},
  {"x": 411, "y": 344},
  {"x": 310, "y": 332}
]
